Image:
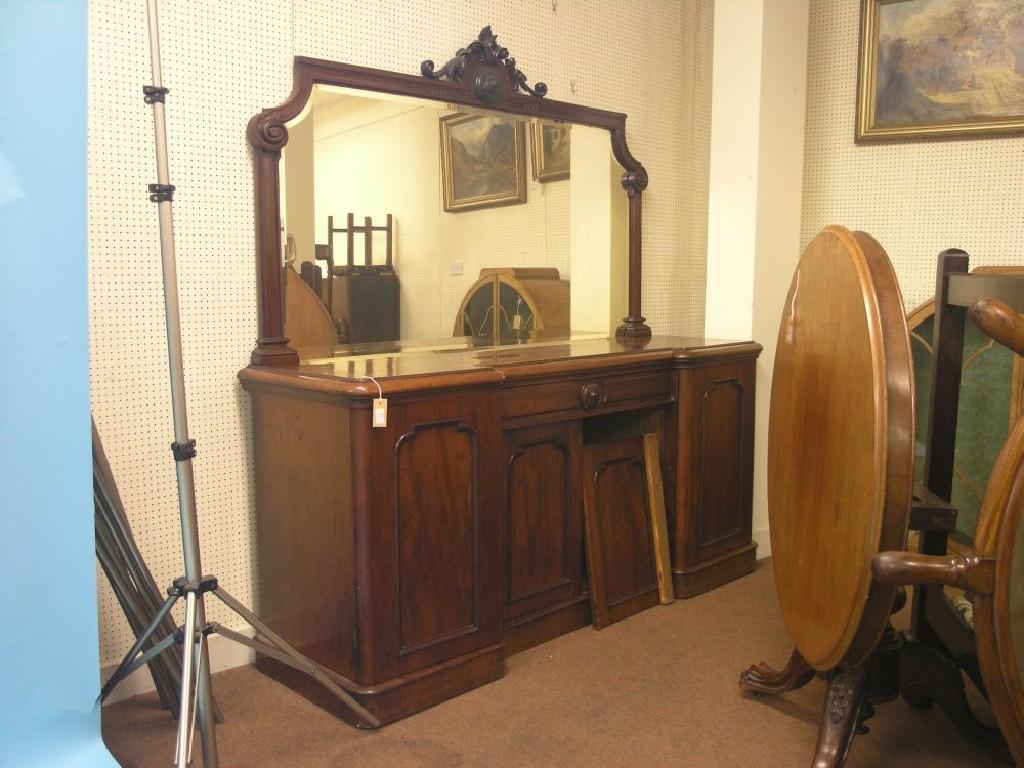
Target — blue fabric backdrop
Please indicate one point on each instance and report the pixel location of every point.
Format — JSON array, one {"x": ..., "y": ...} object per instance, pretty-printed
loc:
[{"x": 49, "y": 666}]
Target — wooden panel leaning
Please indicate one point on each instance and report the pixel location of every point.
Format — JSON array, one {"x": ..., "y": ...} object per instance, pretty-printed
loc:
[
  {"x": 840, "y": 471},
  {"x": 620, "y": 537},
  {"x": 659, "y": 522}
]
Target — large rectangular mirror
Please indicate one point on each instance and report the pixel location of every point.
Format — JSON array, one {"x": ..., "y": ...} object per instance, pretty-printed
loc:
[
  {"x": 417, "y": 221},
  {"x": 397, "y": 212}
]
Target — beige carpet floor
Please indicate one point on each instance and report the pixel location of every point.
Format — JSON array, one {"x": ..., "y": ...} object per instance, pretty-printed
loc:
[{"x": 659, "y": 689}]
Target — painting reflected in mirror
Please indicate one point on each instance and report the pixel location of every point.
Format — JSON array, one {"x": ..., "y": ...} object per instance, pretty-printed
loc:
[
  {"x": 550, "y": 150},
  {"x": 483, "y": 161}
]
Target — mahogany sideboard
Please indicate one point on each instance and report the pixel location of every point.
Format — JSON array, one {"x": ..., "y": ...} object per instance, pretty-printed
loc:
[{"x": 408, "y": 561}]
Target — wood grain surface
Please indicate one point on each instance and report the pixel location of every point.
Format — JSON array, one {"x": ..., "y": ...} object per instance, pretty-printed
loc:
[
  {"x": 411, "y": 560},
  {"x": 659, "y": 523},
  {"x": 840, "y": 446},
  {"x": 1001, "y": 322},
  {"x": 998, "y": 616},
  {"x": 620, "y": 544},
  {"x": 309, "y": 322}
]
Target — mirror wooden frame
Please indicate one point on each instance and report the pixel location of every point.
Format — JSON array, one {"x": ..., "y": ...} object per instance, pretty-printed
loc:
[{"x": 480, "y": 75}]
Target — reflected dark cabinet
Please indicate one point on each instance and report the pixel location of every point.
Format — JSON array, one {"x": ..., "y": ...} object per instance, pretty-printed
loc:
[{"x": 368, "y": 304}]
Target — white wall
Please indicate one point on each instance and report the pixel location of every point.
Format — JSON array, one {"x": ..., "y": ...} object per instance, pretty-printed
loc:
[
  {"x": 224, "y": 62},
  {"x": 757, "y": 144},
  {"x": 733, "y": 185}
]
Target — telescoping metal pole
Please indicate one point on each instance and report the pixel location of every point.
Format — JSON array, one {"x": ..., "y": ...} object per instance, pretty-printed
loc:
[{"x": 162, "y": 193}]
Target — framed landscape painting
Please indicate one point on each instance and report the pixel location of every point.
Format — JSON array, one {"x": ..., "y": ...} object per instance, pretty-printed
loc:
[
  {"x": 483, "y": 161},
  {"x": 550, "y": 150},
  {"x": 932, "y": 68}
]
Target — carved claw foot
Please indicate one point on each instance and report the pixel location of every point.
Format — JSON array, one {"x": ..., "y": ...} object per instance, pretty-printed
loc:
[{"x": 761, "y": 678}]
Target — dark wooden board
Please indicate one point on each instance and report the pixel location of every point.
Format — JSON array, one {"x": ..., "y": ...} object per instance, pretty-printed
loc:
[{"x": 620, "y": 549}]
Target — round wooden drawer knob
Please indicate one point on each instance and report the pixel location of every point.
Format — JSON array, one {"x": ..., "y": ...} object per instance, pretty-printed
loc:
[{"x": 590, "y": 396}]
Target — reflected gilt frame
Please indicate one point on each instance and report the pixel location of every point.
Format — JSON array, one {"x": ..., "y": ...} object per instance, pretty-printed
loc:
[
  {"x": 543, "y": 167},
  {"x": 449, "y": 170},
  {"x": 481, "y": 75}
]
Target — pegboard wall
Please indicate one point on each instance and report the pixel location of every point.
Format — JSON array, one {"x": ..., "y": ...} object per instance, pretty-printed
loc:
[
  {"x": 916, "y": 198},
  {"x": 224, "y": 62}
]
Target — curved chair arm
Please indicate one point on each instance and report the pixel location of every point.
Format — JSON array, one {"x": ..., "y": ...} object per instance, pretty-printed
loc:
[
  {"x": 1001, "y": 322},
  {"x": 969, "y": 572}
]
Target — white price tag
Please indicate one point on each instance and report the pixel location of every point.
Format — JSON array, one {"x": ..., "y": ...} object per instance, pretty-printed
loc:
[
  {"x": 517, "y": 322},
  {"x": 380, "y": 412}
]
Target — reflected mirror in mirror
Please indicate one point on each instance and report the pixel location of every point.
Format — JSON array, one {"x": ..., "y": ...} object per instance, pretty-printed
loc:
[{"x": 409, "y": 220}]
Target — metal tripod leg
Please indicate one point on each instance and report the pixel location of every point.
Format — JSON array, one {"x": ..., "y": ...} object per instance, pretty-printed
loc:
[
  {"x": 204, "y": 694},
  {"x": 285, "y": 653},
  {"x": 122, "y": 670},
  {"x": 181, "y": 752}
]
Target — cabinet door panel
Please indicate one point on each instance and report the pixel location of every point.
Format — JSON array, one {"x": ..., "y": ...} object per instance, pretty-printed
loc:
[
  {"x": 722, "y": 467},
  {"x": 428, "y": 502},
  {"x": 716, "y": 449},
  {"x": 437, "y": 519},
  {"x": 620, "y": 545},
  {"x": 543, "y": 518}
]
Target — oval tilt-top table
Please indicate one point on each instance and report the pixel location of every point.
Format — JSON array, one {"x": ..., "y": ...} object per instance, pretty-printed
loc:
[
  {"x": 840, "y": 487},
  {"x": 840, "y": 470}
]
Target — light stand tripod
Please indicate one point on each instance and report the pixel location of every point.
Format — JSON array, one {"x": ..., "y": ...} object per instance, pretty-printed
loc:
[{"x": 196, "y": 698}]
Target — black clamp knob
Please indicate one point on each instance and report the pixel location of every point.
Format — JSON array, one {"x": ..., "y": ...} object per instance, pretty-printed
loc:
[
  {"x": 184, "y": 451},
  {"x": 161, "y": 193},
  {"x": 154, "y": 93}
]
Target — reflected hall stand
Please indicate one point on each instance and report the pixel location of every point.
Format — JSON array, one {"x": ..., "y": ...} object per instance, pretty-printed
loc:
[
  {"x": 363, "y": 298},
  {"x": 924, "y": 667}
]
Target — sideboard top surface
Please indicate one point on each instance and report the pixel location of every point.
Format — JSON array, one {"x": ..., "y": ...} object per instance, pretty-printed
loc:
[{"x": 397, "y": 370}]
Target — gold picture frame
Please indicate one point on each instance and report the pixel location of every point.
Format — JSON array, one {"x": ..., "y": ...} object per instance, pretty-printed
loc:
[
  {"x": 549, "y": 150},
  {"x": 483, "y": 161},
  {"x": 956, "y": 97}
]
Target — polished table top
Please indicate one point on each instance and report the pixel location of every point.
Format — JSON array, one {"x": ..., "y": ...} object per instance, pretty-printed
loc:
[{"x": 396, "y": 366}]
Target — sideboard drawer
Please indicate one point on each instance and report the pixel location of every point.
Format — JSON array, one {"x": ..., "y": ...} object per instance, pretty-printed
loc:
[{"x": 585, "y": 395}]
